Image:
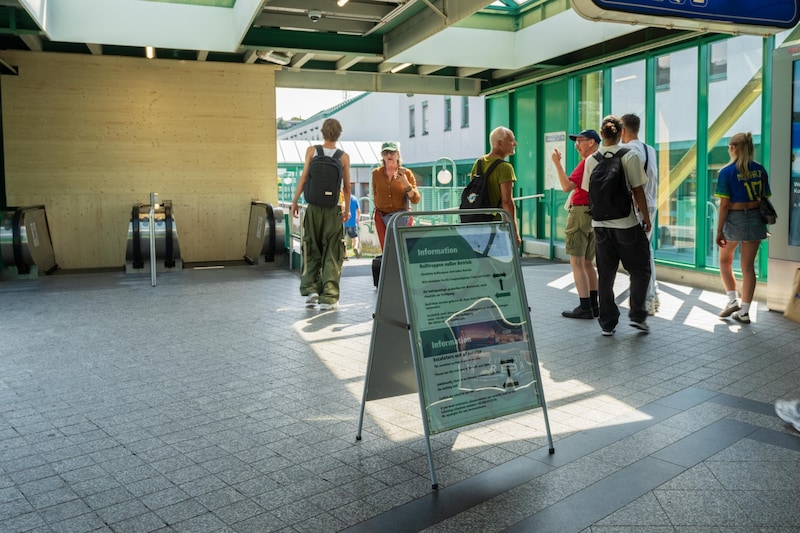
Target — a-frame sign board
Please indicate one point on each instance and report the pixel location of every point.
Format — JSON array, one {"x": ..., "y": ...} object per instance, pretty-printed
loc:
[{"x": 452, "y": 323}]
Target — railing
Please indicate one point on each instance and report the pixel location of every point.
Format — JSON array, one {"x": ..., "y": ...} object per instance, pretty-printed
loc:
[{"x": 432, "y": 199}]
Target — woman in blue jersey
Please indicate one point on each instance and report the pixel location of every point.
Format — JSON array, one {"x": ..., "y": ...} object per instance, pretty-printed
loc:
[{"x": 740, "y": 186}]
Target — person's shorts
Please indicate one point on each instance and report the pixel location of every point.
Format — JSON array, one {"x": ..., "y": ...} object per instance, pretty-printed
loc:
[
  {"x": 579, "y": 235},
  {"x": 744, "y": 226},
  {"x": 351, "y": 231}
]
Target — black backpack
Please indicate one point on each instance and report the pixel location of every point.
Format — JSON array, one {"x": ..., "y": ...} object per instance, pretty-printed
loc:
[
  {"x": 476, "y": 194},
  {"x": 324, "y": 180},
  {"x": 609, "y": 196}
]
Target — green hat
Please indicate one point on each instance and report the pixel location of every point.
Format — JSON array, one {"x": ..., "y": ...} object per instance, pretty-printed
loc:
[{"x": 390, "y": 146}]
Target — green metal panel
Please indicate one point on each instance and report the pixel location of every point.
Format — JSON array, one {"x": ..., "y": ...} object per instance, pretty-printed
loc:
[
  {"x": 762, "y": 260},
  {"x": 268, "y": 38},
  {"x": 526, "y": 162},
  {"x": 606, "y": 92},
  {"x": 703, "y": 186},
  {"x": 17, "y": 22},
  {"x": 498, "y": 112},
  {"x": 555, "y": 109}
]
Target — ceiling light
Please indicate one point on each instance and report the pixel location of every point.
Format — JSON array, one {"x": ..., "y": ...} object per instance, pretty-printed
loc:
[
  {"x": 149, "y": 52},
  {"x": 397, "y": 68},
  {"x": 274, "y": 56},
  {"x": 341, "y": 3}
]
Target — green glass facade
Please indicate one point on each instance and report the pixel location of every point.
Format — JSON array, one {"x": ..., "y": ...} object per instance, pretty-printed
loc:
[{"x": 691, "y": 99}]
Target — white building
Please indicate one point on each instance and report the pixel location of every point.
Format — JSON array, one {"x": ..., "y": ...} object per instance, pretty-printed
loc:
[{"x": 431, "y": 130}]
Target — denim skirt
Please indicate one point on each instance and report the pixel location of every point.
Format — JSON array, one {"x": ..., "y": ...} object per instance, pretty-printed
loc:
[{"x": 744, "y": 226}]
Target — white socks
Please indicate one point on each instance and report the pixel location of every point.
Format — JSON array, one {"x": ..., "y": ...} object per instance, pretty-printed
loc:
[{"x": 731, "y": 296}]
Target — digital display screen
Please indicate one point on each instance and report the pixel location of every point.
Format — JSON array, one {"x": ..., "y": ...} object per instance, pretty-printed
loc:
[
  {"x": 778, "y": 13},
  {"x": 794, "y": 199}
]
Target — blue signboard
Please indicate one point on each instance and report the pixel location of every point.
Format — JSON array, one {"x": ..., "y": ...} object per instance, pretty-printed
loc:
[{"x": 776, "y": 13}]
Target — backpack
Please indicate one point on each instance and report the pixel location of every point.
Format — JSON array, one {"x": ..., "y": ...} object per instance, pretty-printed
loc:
[
  {"x": 476, "y": 194},
  {"x": 609, "y": 196},
  {"x": 324, "y": 180}
]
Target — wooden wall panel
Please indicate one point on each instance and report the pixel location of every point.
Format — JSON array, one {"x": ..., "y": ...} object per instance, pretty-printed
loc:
[{"x": 89, "y": 136}]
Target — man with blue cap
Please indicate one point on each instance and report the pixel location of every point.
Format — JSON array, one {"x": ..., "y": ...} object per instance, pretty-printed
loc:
[{"x": 579, "y": 234}]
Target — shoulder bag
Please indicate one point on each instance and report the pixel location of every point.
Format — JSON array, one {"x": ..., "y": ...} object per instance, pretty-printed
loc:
[{"x": 768, "y": 214}]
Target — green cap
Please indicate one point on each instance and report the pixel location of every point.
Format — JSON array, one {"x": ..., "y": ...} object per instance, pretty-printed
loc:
[{"x": 390, "y": 146}]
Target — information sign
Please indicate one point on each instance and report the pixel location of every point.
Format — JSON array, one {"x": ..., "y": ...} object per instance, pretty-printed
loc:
[
  {"x": 452, "y": 324},
  {"x": 741, "y": 16}
]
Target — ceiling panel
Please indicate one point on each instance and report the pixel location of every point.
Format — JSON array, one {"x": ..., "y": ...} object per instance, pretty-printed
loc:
[{"x": 432, "y": 46}]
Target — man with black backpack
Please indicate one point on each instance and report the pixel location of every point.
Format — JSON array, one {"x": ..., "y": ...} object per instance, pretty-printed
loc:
[
  {"x": 497, "y": 176},
  {"x": 611, "y": 176},
  {"x": 325, "y": 185}
]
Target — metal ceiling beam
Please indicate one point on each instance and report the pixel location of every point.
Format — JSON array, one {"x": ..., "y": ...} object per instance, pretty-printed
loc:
[
  {"x": 302, "y": 41},
  {"x": 298, "y": 60},
  {"x": 32, "y": 41},
  {"x": 372, "y": 10},
  {"x": 465, "y": 72},
  {"x": 249, "y": 57},
  {"x": 427, "y": 23},
  {"x": 325, "y": 24},
  {"x": 347, "y": 62},
  {"x": 377, "y": 82},
  {"x": 5, "y": 68},
  {"x": 425, "y": 70}
]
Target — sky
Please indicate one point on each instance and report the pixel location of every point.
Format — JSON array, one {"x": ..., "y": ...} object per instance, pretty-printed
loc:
[{"x": 304, "y": 103}]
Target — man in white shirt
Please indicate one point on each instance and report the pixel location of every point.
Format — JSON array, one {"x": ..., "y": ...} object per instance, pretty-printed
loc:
[{"x": 647, "y": 154}]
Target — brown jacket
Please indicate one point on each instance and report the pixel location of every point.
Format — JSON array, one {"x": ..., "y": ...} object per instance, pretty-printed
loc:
[{"x": 388, "y": 195}]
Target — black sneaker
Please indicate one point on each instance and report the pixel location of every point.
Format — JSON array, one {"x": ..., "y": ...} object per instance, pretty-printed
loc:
[
  {"x": 744, "y": 318},
  {"x": 578, "y": 312}
]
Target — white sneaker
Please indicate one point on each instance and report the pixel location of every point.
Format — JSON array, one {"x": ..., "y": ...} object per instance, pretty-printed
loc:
[
  {"x": 312, "y": 299},
  {"x": 325, "y": 307},
  {"x": 789, "y": 411},
  {"x": 641, "y": 326},
  {"x": 731, "y": 308}
]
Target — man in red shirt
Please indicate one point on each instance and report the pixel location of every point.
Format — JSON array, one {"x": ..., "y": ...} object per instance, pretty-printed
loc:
[{"x": 579, "y": 235}]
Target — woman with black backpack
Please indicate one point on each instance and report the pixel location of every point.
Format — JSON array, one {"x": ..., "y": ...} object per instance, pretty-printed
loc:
[{"x": 612, "y": 176}]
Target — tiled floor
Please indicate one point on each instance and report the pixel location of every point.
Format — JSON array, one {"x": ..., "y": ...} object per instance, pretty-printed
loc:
[{"x": 216, "y": 402}]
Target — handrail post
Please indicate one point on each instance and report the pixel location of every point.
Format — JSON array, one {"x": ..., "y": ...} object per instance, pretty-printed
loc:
[
  {"x": 153, "y": 238},
  {"x": 552, "y": 223}
]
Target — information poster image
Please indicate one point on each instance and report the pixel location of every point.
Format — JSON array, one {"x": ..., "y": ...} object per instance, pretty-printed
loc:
[
  {"x": 554, "y": 141},
  {"x": 492, "y": 352},
  {"x": 475, "y": 352}
]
